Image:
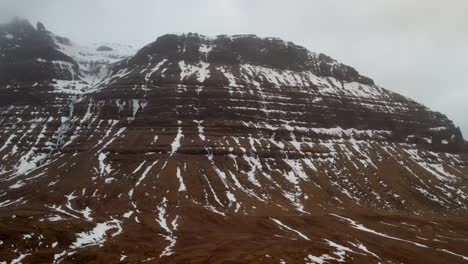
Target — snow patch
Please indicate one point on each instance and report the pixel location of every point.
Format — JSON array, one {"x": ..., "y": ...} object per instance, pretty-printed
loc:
[
  {"x": 98, "y": 235},
  {"x": 283, "y": 226}
]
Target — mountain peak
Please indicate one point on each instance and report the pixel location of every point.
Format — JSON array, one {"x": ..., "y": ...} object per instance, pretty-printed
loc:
[
  {"x": 40, "y": 27},
  {"x": 267, "y": 52},
  {"x": 20, "y": 25}
]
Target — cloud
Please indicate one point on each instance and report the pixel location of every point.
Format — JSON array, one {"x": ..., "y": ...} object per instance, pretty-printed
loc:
[{"x": 415, "y": 47}]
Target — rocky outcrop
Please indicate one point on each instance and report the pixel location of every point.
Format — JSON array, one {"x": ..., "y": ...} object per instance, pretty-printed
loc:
[
  {"x": 29, "y": 56},
  {"x": 246, "y": 49},
  {"x": 104, "y": 48},
  {"x": 234, "y": 148}
]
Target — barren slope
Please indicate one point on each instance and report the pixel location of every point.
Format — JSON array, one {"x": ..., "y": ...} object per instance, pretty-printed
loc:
[{"x": 234, "y": 149}]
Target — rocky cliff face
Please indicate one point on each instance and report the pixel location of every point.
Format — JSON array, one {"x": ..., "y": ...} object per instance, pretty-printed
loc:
[{"x": 228, "y": 149}]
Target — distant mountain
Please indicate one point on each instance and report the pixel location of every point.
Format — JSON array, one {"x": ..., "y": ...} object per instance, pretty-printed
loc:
[{"x": 231, "y": 149}]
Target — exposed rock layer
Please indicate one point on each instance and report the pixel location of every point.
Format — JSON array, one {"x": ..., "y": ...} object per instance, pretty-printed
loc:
[{"x": 227, "y": 149}]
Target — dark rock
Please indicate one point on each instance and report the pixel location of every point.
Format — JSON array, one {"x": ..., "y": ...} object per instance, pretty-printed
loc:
[
  {"x": 40, "y": 27},
  {"x": 31, "y": 55},
  {"x": 267, "y": 52},
  {"x": 104, "y": 48}
]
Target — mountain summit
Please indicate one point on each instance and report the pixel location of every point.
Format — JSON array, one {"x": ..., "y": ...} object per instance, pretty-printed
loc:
[
  {"x": 231, "y": 149},
  {"x": 246, "y": 49}
]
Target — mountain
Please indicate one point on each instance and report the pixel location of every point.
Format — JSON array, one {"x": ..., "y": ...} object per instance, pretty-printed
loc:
[{"x": 231, "y": 149}]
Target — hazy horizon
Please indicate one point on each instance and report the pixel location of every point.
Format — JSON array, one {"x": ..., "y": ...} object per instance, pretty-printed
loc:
[{"x": 416, "y": 48}]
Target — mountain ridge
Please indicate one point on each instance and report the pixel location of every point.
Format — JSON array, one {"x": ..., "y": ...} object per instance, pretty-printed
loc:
[
  {"x": 196, "y": 150},
  {"x": 248, "y": 48}
]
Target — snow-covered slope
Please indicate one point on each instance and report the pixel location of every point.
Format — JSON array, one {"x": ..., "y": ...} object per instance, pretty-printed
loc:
[
  {"x": 37, "y": 57},
  {"x": 224, "y": 149},
  {"x": 94, "y": 60}
]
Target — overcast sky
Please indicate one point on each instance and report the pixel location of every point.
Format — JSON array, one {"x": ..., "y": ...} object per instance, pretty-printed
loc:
[{"x": 418, "y": 48}]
